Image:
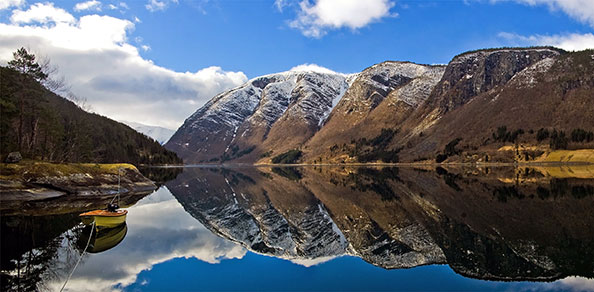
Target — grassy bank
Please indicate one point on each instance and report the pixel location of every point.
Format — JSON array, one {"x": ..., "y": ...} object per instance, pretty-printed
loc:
[
  {"x": 569, "y": 156},
  {"x": 28, "y": 169}
]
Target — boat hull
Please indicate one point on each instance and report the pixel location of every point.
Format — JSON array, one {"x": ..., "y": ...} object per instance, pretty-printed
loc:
[{"x": 104, "y": 218}]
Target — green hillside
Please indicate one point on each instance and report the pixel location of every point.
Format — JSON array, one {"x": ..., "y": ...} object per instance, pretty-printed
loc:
[{"x": 45, "y": 126}]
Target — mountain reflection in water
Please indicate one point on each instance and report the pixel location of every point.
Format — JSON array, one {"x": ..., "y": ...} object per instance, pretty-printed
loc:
[
  {"x": 497, "y": 224},
  {"x": 522, "y": 224}
]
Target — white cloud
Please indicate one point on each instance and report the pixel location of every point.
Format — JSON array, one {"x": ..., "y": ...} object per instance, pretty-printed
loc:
[
  {"x": 578, "y": 283},
  {"x": 314, "y": 20},
  {"x": 95, "y": 56},
  {"x": 582, "y": 10},
  {"x": 312, "y": 68},
  {"x": 145, "y": 48},
  {"x": 156, "y": 5},
  {"x": 572, "y": 283},
  {"x": 281, "y": 4},
  {"x": 570, "y": 42},
  {"x": 122, "y": 6},
  {"x": 42, "y": 13},
  {"x": 88, "y": 5},
  {"x": 4, "y": 4}
]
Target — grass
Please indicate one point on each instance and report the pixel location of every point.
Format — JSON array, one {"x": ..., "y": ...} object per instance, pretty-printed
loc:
[
  {"x": 32, "y": 168},
  {"x": 571, "y": 156}
]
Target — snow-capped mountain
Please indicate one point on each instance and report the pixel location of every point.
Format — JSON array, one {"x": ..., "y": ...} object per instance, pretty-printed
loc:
[
  {"x": 395, "y": 111},
  {"x": 266, "y": 109},
  {"x": 160, "y": 134}
]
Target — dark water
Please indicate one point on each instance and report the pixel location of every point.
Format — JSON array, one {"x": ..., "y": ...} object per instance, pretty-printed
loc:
[{"x": 324, "y": 229}]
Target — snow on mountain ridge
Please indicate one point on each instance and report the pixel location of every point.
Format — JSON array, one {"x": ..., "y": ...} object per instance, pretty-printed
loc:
[
  {"x": 248, "y": 97},
  {"x": 246, "y": 114},
  {"x": 160, "y": 134}
]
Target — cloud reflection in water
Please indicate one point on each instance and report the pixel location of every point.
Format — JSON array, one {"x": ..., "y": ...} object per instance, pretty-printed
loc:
[{"x": 158, "y": 230}]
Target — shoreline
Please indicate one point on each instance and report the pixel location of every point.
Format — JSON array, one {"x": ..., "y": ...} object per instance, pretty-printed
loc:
[
  {"x": 59, "y": 188},
  {"x": 397, "y": 164}
]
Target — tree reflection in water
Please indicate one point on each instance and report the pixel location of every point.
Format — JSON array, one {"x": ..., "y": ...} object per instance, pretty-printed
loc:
[{"x": 512, "y": 224}]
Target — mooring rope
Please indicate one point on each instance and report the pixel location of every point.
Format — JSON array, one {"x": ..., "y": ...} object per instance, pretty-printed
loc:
[
  {"x": 81, "y": 256},
  {"x": 118, "y": 194}
]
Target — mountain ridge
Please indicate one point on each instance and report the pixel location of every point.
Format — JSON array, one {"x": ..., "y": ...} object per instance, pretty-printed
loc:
[{"x": 398, "y": 111}]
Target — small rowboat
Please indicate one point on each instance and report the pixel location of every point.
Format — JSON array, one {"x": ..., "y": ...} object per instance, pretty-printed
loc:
[{"x": 104, "y": 218}]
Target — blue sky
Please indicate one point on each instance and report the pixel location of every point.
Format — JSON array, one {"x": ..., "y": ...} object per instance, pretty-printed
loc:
[
  {"x": 254, "y": 37},
  {"x": 157, "y": 61}
]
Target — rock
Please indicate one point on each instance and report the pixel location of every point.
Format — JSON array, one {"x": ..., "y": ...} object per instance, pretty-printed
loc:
[
  {"x": 13, "y": 157},
  {"x": 472, "y": 73}
]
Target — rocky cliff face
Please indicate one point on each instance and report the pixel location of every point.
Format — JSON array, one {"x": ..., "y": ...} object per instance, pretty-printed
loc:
[
  {"x": 471, "y": 74},
  {"x": 398, "y": 111}
]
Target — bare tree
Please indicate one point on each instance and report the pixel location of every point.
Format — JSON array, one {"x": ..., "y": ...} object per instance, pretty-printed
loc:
[{"x": 55, "y": 81}]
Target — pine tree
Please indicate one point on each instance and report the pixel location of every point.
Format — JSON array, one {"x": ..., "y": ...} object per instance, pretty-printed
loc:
[{"x": 24, "y": 62}]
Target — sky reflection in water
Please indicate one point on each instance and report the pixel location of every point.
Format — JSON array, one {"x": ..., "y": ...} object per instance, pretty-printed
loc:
[{"x": 166, "y": 248}]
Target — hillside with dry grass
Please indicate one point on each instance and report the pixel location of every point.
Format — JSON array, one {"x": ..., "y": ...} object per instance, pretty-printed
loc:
[{"x": 486, "y": 106}]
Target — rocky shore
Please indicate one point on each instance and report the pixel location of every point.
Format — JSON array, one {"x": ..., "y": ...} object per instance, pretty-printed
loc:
[{"x": 41, "y": 188}]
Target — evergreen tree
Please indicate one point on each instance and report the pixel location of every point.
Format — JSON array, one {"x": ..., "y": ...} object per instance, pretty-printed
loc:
[{"x": 24, "y": 62}]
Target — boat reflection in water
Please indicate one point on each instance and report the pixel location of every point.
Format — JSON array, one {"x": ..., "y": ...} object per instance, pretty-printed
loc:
[
  {"x": 324, "y": 228},
  {"x": 102, "y": 239}
]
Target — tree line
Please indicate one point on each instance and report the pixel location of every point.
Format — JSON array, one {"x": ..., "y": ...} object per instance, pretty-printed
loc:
[{"x": 45, "y": 126}]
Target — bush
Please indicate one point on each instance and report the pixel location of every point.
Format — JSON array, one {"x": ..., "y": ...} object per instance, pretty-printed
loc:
[
  {"x": 558, "y": 140},
  {"x": 441, "y": 158},
  {"x": 389, "y": 156},
  {"x": 289, "y": 157},
  {"x": 450, "y": 148},
  {"x": 542, "y": 134},
  {"x": 580, "y": 135},
  {"x": 504, "y": 136}
]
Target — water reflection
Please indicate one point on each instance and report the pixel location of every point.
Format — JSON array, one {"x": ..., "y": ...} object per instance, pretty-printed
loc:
[
  {"x": 497, "y": 224},
  {"x": 522, "y": 224},
  {"x": 102, "y": 239},
  {"x": 158, "y": 230}
]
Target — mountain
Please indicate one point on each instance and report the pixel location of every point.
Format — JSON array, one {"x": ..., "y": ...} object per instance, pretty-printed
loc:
[
  {"x": 381, "y": 97},
  {"x": 278, "y": 111},
  {"x": 160, "y": 134},
  {"x": 55, "y": 129},
  {"x": 502, "y": 105}
]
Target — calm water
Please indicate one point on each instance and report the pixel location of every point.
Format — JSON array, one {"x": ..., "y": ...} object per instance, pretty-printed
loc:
[{"x": 324, "y": 229}]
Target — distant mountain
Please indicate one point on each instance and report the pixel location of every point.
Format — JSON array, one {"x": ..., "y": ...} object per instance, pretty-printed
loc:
[
  {"x": 504, "y": 105},
  {"x": 55, "y": 129},
  {"x": 278, "y": 111},
  {"x": 160, "y": 134}
]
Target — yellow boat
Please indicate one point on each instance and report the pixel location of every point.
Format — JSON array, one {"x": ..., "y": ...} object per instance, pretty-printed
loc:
[{"x": 104, "y": 218}]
